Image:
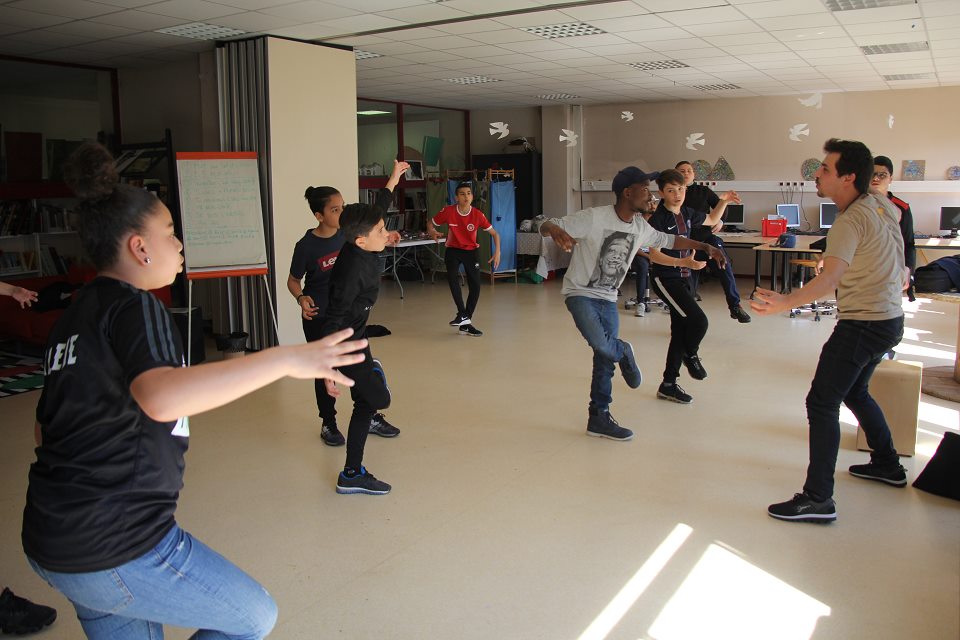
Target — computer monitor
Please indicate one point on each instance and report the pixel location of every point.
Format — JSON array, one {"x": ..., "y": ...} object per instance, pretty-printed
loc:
[
  {"x": 828, "y": 213},
  {"x": 950, "y": 219},
  {"x": 733, "y": 215},
  {"x": 791, "y": 212}
]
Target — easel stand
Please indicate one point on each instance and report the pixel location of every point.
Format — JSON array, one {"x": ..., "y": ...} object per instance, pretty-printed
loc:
[{"x": 209, "y": 275}]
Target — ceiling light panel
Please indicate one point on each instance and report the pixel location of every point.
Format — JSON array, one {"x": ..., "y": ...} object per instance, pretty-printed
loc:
[
  {"x": 910, "y": 76},
  {"x": 559, "y": 97},
  {"x": 569, "y": 30},
  {"x": 201, "y": 31},
  {"x": 716, "y": 87},
  {"x": 658, "y": 64},
  {"x": 853, "y": 5},
  {"x": 899, "y": 47},
  {"x": 471, "y": 80}
]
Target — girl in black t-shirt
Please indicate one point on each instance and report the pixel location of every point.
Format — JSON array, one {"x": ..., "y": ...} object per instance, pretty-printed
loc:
[
  {"x": 112, "y": 429},
  {"x": 309, "y": 282}
]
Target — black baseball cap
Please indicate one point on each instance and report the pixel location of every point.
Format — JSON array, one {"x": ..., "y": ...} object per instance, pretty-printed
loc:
[{"x": 629, "y": 176}]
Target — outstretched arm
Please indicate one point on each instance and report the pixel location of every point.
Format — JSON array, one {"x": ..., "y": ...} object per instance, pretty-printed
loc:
[
  {"x": 766, "y": 302},
  {"x": 168, "y": 393},
  {"x": 24, "y": 296},
  {"x": 495, "y": 258}
]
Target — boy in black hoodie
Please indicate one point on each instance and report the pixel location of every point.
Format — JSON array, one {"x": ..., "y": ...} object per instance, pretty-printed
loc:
[{"x": 354, "y": 285}]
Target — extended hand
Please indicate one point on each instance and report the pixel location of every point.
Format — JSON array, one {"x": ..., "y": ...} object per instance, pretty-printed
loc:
[
  {"x": 563, "y": 239},
  {"x": 692, "y": 263},
  {"x": 495, "y": 260},
  {"x": 718, "y": 255},
  {"x": 24, "y": 296},
  {"x": 767, "y": 302},
  {"x": 322, "y": 358},
  {"x": 393, "y": 238},
  {"x": 731, "y": 196}
]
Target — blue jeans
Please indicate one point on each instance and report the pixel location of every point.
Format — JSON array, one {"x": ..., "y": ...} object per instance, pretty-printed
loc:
[
  {"x": 847, "y": 362},
  {"x": 599, "y": 323},
  {"x": 180, "y": 582}
]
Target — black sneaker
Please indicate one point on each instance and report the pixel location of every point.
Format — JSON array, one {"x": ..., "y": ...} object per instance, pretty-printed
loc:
[
  {"x": 695, "y": 367},
  {"x": 331, "y": 436},
  {"x": 628, "y": 366},
  {"x": 894, "y": 475},
  {"x": 803, "y": 508},
  {"x": 674, "y": 393},
  {"x": 601, "y": 424},
  {"x": 363, "y": 482},
  {"x": 470, "y": 330},
  {"x": 459, "y": 320},
  {"x": 379, "y": 426},
  {"x": 738, "y": 314},
  {"x": 20, "y": 616}
]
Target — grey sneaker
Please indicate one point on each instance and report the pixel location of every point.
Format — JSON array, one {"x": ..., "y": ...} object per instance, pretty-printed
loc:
[
  {"x": 363, "y": 482},
  {"x": 601, "y": 424},
  {"x": 379, "y": 426},
  {"x": 628, "y": 366},
  {"x": 803, "y": 508},
  {"x": 331, "y": 436},
  {"x": 894, "y": 475}
]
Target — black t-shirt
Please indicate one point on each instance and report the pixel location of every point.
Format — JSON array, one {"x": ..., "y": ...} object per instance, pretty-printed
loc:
[
  {"x": 104, "y": 488},
  {"x": 679, "y": 225},
  {"x": 701, "y": 199},
  {"x": 314, "y": 257},
  {"x": 354, "y": 287}
]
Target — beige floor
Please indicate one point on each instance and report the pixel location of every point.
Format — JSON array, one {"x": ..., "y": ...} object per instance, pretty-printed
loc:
[{"x": 506, "y": 521}]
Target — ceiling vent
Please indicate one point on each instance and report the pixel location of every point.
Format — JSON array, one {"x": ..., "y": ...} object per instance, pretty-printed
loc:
[
  {"x": 900, "y": 47},
  {"x": 569, "y": 30},
  {"x": 658, "y": 64},
  {"x": 201, "y": 31}
]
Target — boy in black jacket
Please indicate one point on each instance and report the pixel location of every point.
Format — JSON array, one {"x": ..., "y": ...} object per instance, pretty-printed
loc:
[{"x": 354, "y": 285}]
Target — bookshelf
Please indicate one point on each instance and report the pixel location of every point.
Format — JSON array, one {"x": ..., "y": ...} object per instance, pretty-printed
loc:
[
  {"x": 409, "y": 200},
  {"x": 19, "y": 256}
]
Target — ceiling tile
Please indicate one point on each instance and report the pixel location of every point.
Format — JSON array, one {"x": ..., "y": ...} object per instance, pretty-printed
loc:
[
  {"x": 597, "y": 12},
  {"x": 309, "y": 11},
  {"x": 814, "y": 33},
  {"x": 482, "y": 7},
  {"x": 702, "y": 16},
  {"x": 747, "y": 49},
  {"x": 443, "y": 43},
  {"x": 308, "y": 31},
  {"x": 502, "y": 36},
  {"x": 631, "y": 23},
  {"x": 29, "y": 19},
  {"x": 679, "y": 44},
  {"x": 780, "y": 8},
  {"x": 59, "y": 8},
  {"x": 532, "y": 46},
  {"x": 254, "y": 22},
  {"x": 424, "y": 56},
  {"x": 643, "y": 36},
  {"x": 190, "y": 10},
  {"x": 939, "y": 8},
  {"x": 806, "y": 21},
  {"x": 741, "y": 39},
  {"x": 627, "y": 48},
  {"x": 824, "y": 43},
  {"x": 471, "y": 26},
  {"x": 539, "y": 18},
  {"x": 724, "y": 28},
  {"x": 136, "y": 20}
]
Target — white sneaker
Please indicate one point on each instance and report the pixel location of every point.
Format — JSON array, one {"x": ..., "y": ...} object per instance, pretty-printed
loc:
[{"x": 638, "y": 310}]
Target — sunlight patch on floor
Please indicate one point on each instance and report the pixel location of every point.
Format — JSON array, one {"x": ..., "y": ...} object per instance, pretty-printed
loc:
[
  {"x": 628, "y": 595},
  {"x": 727, "y": 597}
]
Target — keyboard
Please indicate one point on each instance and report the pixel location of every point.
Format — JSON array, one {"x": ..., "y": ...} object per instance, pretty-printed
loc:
[{"x": 921, "y": 236}]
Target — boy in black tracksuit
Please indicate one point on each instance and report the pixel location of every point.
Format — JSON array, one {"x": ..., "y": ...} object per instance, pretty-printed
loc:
[
  {"x": 354, "y": 285},
  {"x": 688, "y": 323}
]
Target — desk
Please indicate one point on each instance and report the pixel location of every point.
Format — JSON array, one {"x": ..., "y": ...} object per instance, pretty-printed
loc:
[
  {"x": 552, "y": 257},
  {"x": 748, "y": 241},
  {"x": 398, "y": 254},
  {"x": 784, "y": 254},
  {"x": 937, "y": 245}
]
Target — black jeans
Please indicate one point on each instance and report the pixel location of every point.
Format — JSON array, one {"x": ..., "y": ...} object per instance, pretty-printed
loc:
[
  {"x": 688, "y": 323},
  {"x": 370, "y": 394},
  {"x": 847, "y": 362},
  {"x": 326, "y": 404},
  {"x": 727, "y": 280},
  {"x": 471, "y": 267},
  {"x": 641, "y": 266}
]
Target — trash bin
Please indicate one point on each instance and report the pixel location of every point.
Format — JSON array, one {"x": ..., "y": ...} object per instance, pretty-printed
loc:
[{"x": 232, "y": 345}]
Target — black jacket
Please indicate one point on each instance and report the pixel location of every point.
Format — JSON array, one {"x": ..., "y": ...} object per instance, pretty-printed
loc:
[
  {"x": 906, "y": 230},
  {"x": 354, "y": 286}
]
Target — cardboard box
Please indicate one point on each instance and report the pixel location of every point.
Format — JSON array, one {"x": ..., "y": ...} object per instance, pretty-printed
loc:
[{"x": 895, "y": 386}]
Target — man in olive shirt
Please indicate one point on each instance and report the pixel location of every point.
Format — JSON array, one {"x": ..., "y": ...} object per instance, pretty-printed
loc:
[{"x": 864, "y": 263}]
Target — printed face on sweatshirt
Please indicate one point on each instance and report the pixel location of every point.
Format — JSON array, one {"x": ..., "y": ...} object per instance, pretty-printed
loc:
[{"x": 612, "y": 260}]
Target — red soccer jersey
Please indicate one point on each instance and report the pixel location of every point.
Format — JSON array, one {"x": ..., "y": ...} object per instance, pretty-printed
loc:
[{"x": 462, "y": 229}]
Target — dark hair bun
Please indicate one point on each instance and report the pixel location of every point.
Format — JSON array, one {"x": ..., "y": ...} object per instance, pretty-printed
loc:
[{"x": 91, "y": 172}]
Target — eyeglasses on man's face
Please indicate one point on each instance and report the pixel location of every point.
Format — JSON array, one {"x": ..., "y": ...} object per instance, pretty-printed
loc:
[{"x": 881, "y": 175}]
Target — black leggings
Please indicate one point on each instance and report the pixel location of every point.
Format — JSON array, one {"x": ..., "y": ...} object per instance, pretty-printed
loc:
[
  {"x": 325, "y": 402},
  {"x": 370, "y": 394},
  {"x": 688, "y": 323},
  {"x": 471, "y": 266}
]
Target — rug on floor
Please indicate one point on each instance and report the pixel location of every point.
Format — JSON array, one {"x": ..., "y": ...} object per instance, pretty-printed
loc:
[{"x": 19, "y": 374}]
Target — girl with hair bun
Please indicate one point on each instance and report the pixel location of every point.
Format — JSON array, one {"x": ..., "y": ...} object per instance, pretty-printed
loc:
[
  {"x": 112, "y": 429},
  {"x": 309, "y": 282}
]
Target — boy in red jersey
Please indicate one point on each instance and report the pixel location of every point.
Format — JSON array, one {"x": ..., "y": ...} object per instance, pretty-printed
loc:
[{"x": 462, "y": 221}]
